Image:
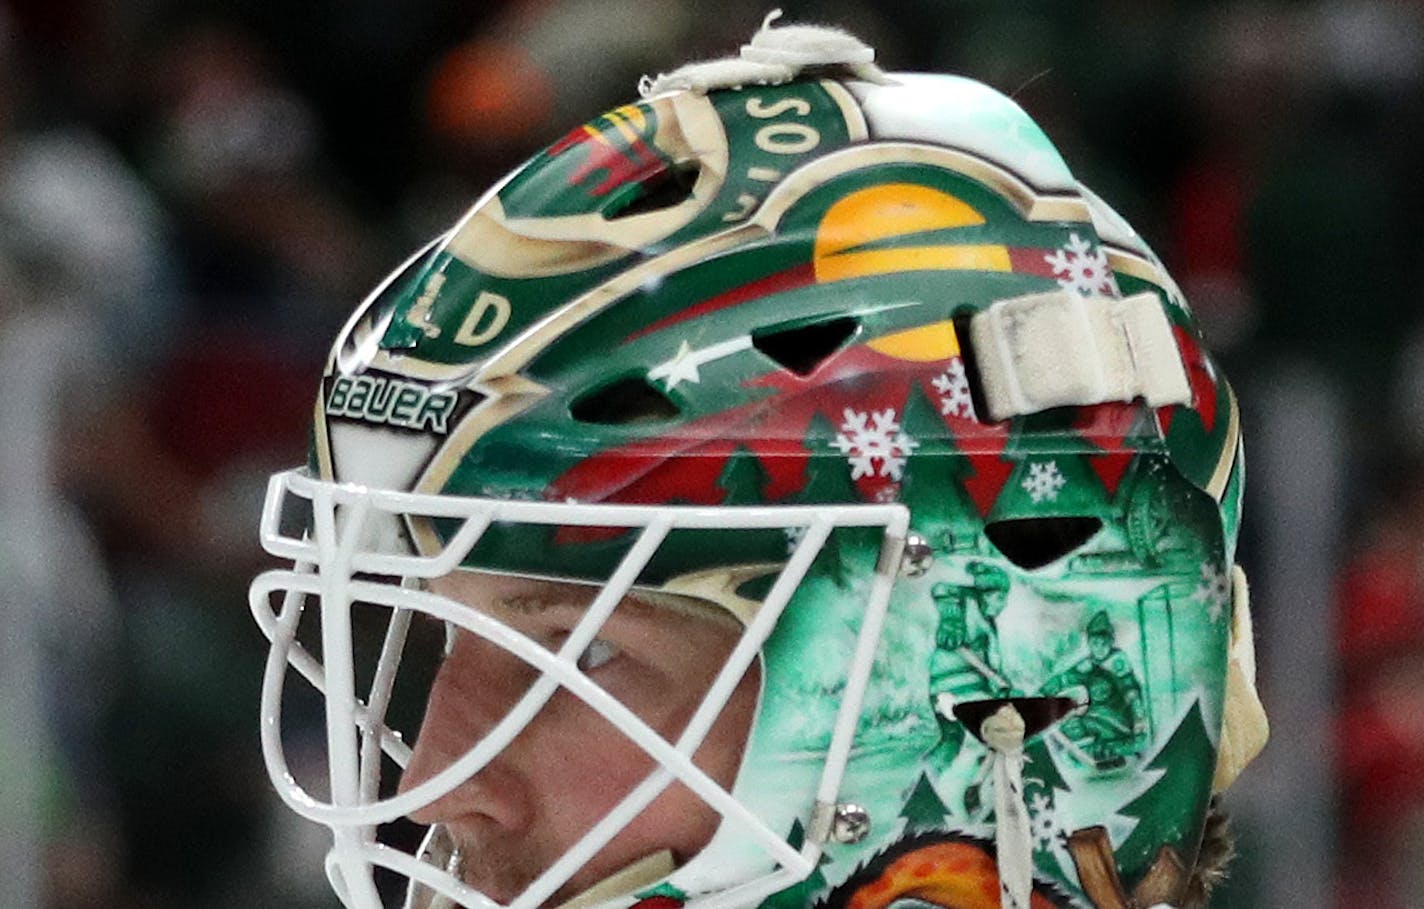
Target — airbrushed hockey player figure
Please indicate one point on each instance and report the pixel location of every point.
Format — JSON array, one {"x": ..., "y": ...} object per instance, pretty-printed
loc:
[
  {"x": 1109, "y": 725},
  {"x": 964, "y": 666},
  {"x": 617, "y": 559}
]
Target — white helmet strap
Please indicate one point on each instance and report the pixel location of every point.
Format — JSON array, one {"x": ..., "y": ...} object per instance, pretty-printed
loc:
[{"x": 1060, "y": 348}]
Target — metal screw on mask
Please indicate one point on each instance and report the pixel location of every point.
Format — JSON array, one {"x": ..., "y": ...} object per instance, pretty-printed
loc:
[
  {"x": 851, "y": 823},
  {"x": 918, "y": 556}
]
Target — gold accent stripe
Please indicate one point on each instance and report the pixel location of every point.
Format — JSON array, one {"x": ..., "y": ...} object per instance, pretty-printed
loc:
[
  {"x": 625, "y": 129},
  {"x": 1216, "y": 486},
  {"x": 517, "y": 354},
  {"x": 321, "y": 438},
  {"x": 507, "y": 399},
  {"x": 851, "y": 113},
  {"x": 596, "y": 135},
  {"x": 1130, "y": 263},
  {"x": 633, "y": 114}
]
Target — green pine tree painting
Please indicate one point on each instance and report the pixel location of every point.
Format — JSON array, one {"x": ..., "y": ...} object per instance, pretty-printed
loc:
[
  {"x": 1170, "y": 811},
  {"x": 827, "y": 482},
  {"x": 934, "y": 485},
  {"x": 924, "y": 810},
  {"x": 743, "y": 478}
]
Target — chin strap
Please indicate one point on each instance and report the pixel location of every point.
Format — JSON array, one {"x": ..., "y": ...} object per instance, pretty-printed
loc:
[
  {"x": 643, "y": 873},
  {"x": 437, "y": 849},
  {"x": 1244, "y": 728},
  {"x": 1003, "y": 732}
]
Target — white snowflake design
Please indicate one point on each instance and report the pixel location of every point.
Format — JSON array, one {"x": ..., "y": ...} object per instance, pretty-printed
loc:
[
  {"x": 866, "y": 438},
  {"x": 1044, "y": 481},
  {"x": 953, "y": 387},
  {"x": 1043, "y": 823},
  {"x": 1214, "y": 590},
  {"x": 1081, "y": 267}
]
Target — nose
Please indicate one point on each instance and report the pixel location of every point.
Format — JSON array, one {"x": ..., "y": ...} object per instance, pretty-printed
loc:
[{"x": 471, "y": 692}]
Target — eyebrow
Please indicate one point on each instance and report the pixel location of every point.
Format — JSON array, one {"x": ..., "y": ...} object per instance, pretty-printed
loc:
[
  {"x": 648, "y": 604},
  {"x": 530, "y": 603}
]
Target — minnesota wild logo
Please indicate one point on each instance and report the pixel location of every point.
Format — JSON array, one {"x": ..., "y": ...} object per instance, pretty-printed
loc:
[{"x": 617, "y": 149}]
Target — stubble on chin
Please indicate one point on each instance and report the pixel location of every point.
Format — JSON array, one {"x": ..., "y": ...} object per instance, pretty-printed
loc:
[{"x": 502, "y": 874}]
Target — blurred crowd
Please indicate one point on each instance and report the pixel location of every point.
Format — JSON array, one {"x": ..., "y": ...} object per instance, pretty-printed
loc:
[{"x": 193, "y": 195}]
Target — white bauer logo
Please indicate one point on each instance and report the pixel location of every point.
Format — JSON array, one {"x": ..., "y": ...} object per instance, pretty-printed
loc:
[{"x": 392, "y": 401}]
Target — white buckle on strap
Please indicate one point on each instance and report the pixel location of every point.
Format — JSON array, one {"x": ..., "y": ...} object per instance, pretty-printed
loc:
[{"x": 1059, "y": 349}]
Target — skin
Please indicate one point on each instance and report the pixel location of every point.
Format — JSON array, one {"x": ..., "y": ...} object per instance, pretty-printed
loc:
[{"x": 570, "y": 766}]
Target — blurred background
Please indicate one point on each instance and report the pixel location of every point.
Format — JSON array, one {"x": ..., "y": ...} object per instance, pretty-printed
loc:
[{"x": 192, "y": 196}]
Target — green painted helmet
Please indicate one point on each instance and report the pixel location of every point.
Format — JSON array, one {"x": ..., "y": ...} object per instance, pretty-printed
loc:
[{"x": 837, "y": 355}]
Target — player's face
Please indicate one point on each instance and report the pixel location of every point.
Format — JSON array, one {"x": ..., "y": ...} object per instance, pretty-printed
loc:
[
  {"x": 1099, "y": 645},
  {"x": 560, "y": 775}
]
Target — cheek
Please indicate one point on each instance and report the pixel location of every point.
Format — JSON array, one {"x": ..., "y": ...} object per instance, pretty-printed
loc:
[
  {"x": 583, "y": 767},
  {"x": 578, "y": 763},
  {"x": 680, "y": 819},
  {"x": 721, "y": 754}
]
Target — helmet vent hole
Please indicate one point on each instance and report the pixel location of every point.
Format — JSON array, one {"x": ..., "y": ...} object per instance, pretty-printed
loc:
[
  {"x": 667, "y": 188},
  {"x": 626, "y": 401},
  {"x": 1035, "y": 542},
  {"x": 1038, "y": 713},
  {"x": 804, "y": 348}
]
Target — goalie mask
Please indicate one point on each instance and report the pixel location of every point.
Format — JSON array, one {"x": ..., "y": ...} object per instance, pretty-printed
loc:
[{"x": 793, "y": 488}]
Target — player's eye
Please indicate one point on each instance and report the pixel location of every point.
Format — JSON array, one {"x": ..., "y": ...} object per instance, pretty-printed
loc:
[{"x": 596, "y": 654}]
